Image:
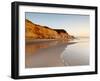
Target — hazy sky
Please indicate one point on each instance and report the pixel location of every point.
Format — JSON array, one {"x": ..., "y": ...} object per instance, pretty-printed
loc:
[{"x": 77, "y": 25}]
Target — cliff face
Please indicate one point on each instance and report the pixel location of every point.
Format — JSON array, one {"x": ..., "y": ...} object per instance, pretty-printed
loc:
[{"x": 35, "y": 31}]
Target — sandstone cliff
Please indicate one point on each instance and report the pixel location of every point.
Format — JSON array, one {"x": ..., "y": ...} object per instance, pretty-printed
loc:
[{"x": 35, "y": 31}]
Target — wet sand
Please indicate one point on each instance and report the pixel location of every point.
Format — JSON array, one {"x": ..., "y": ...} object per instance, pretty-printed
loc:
[{"x": 55, "y": 53}]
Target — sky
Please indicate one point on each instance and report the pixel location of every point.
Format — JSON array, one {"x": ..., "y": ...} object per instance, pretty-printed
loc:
[{"x": 74, "y": 24}]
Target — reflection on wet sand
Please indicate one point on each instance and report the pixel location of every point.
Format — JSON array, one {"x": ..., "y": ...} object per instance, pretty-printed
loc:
[
  {"x": 52, "y": 53},
  {"x": 32, "y": 47},
  {"x": 44, "y": 54}
]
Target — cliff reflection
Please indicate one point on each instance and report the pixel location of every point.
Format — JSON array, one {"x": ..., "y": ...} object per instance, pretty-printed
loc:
[{"x": 44, "y": 54}]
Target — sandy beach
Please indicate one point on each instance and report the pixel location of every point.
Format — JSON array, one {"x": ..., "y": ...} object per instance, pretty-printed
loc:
[{"x": 54, "y": 53}]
